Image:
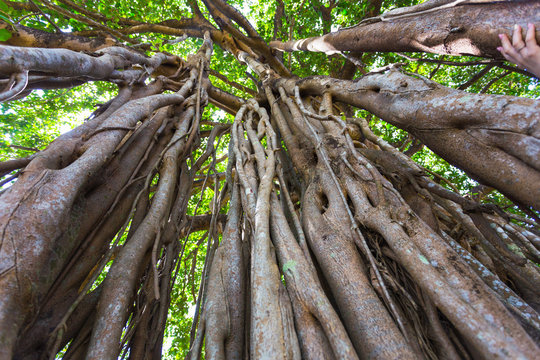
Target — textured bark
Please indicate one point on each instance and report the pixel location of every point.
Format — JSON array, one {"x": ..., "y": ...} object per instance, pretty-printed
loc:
[
  {"x": 63, "y": 62},
  {"x": 450, "y": 121},
  {"x": 120, "y": 285},
  {"x": 334, "y": 247},
  {"x": 469, "y": 27},
  {"x": 321, "y": 333},
  {"x": 336, "y": 244},
  {"x": 226, "y": 292},
  {"x": 92, "y": 244},
  {"x": 29, "y": 253},
  {"x": 270, "y": 321},
  {"x": 28, "y": 37}
]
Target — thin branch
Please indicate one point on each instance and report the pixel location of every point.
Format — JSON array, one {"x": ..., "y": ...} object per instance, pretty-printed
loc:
[
  {"x": 476, "y": 77},
  {"x": 10, "y": 178},
  {"x": 87, "y": 21},
  {"x": 448, "y": 62},
  {"x": 96, "y": 15},
  {"x": 24, "y": 148},
  {"x": 498, "y": 63},
  {"x": 493, "y": 81},
  {"x": 232, "y": 83},
  {"x": 46, "y": 17}
]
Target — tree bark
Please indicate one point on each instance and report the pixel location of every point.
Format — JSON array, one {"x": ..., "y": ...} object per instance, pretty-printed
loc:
[
  {"x": 477, "y": 133},
  {"x": 469, "y": 27},
  {"x": 336, "y": 245}
]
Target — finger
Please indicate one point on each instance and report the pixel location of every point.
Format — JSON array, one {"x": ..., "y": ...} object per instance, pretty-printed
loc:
[
  {"x": 530, "y": 38},
  {"x": 507, "y": 46},
  {"x": 517, "y": 39},
  {"x": 506, "y": 55}
]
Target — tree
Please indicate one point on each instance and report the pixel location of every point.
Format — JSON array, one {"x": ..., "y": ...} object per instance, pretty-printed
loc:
[{"x": 323, "y": 237}]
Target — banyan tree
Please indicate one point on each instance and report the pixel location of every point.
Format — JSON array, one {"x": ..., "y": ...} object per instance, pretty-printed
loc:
[{"x": 280, "y": 197}]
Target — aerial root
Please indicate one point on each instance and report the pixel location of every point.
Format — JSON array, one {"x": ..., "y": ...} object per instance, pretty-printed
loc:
[{"x": 17, "y": 83}]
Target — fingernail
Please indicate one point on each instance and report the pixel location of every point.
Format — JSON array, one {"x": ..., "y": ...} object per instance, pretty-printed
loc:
[
  {"x": 516, "y": 26},
  {"x": 500, "y": 36},
  {"x": 499, "y": 48}
]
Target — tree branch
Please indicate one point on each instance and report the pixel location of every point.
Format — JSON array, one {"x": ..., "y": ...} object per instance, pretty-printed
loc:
[{"x": 465, "y": 28}]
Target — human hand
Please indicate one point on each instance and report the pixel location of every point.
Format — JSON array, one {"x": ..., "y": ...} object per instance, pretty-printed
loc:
[{"x": 525, "y": 54}]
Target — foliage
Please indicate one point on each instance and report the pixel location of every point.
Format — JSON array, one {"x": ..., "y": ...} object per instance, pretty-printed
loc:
[
  {"x": 30, "y": 124},
  {"x": 38, "y": 119}
]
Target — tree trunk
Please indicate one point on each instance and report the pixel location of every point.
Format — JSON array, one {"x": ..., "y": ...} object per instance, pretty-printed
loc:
[{"x": 335, "y": 245}]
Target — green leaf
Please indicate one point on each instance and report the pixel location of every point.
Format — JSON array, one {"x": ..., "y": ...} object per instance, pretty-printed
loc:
[
  {"x": 6, "y": 19},
  {"x": 5, "y": 35},
  {"x": 4, "y": 7}
]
